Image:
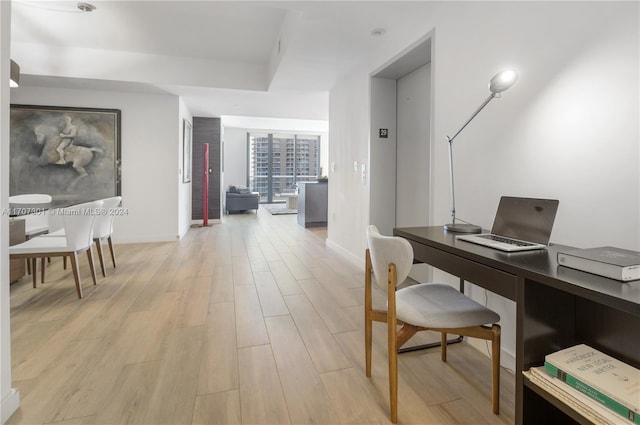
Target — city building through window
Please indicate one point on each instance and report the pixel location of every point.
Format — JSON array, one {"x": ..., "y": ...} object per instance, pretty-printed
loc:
[{"x": 278, "y": 163}]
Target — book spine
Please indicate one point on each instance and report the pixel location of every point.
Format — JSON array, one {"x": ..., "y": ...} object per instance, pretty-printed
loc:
[{"x": 593, "y": 393}]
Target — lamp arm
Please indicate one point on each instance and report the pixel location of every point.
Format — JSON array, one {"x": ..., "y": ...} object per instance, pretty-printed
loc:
[
  {"x": 450, "y": 141},
  {"x": 477, "y": 111}
]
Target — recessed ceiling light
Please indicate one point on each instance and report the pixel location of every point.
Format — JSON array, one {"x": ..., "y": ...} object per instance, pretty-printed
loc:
[
  {"x": 86, "y": 7},
  {"x": 378, "y": 32}
]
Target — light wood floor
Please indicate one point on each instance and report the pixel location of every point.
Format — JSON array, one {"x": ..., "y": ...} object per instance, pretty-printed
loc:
[{"x": 251, "y": 321}]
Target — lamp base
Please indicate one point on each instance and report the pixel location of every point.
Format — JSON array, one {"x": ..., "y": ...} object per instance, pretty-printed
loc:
[{"x": 462, "y": 228}]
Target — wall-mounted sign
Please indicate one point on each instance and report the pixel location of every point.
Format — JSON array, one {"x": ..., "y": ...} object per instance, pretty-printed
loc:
[{"x": 384, "y": 133}]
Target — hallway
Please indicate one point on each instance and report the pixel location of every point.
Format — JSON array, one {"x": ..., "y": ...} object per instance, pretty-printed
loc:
[{"x": 253, "y": 320}]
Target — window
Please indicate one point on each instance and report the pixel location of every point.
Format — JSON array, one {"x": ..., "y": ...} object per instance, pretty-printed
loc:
[{"x": 278, "y": 162}]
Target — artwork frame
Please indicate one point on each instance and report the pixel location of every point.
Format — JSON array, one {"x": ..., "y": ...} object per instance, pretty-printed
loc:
[
  {"x": 187, "y": 145},
  {"x": 70, "y": 153}
]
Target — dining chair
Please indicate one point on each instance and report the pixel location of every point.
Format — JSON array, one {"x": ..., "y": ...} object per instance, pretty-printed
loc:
[
  {"x": 78, "y": 237},
  {"x": 104, "y": 228},
  {"x": 423, "y": 306}
]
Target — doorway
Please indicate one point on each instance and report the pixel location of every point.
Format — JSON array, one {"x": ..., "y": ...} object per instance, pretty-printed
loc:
[
  {"x": 400, "y": 144},
  {"x": 400, "y": 140}
]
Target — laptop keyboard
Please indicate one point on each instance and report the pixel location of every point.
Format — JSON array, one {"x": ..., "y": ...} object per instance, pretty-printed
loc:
[{"x": 506, "y": 240}]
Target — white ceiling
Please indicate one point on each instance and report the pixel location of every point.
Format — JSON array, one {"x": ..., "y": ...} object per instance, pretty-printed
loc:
[{"x": 263, "y": 58}]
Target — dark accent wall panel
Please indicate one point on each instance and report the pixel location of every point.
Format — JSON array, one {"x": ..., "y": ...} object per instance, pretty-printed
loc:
[{"x": 205, "y": 130}]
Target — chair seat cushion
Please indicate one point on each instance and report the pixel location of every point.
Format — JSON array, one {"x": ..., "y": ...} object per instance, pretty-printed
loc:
[{"x": 437, "y": 305}]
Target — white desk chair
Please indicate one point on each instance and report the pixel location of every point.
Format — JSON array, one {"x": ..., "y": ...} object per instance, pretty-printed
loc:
[
  {"x": 78, "y": 238},
  {"x": 425, "y": 306}
]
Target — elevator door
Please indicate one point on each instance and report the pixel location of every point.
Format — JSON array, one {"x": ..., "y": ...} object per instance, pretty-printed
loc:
[{"x": 413, "y": 148}]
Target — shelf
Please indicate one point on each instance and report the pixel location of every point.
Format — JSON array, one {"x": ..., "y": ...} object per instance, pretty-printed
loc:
[{"x": 559, "y": 404}]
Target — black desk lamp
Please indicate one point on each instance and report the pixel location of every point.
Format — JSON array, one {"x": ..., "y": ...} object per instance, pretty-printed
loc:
[{"x": 499, "y": 83}]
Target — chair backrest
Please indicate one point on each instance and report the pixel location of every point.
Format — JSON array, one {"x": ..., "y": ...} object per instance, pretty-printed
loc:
[
  {"x": 56, "y": 221},
  {"x": 104, "y": 222},
  {"x": 385, "y": 250},
  {"x": 56, "y": 216},
  {"x": 78, "y": 224}
]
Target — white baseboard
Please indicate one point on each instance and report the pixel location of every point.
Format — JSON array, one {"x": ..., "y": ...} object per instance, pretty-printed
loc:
[
  {"x": 210, "y": 221},
  {"x": 144, "y": 239},
  {"x": 9, "y": 404},
  {"x": 358, "y": 262}
]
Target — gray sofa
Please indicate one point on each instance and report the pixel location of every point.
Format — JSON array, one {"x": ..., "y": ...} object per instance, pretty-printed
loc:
[{"x": 236, "y": 202}]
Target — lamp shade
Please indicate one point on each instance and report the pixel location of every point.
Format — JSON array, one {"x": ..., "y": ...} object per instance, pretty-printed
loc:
[
  {"x": 502, "y": 81},
  {"x": 15, "y": 75}
]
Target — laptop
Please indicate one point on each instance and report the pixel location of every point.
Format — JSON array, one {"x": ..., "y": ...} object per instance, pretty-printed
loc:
[{"x": 521, "y": 224}]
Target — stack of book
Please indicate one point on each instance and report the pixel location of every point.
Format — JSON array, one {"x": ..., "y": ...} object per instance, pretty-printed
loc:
[
  {"x": 607, "y": 261},
  {"x": 602, "y": 389}
]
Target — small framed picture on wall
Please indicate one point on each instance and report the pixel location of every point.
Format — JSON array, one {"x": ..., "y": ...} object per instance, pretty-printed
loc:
[{"x": 186, "y": 152}]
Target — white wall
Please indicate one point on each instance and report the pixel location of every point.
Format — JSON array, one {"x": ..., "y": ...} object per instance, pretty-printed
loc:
[
  {"x": 570, "y": 123},
  {"x": 9, "y": 397},
  {"x": 184, "y": 189},
  {"x": 569, "y": 128},
  {"x": 348, "y": 212},
  {"x": 151, "y": 167}
]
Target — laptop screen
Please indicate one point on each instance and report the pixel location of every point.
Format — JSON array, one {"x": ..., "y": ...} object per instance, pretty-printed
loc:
[{"x": 526, "y": 219}]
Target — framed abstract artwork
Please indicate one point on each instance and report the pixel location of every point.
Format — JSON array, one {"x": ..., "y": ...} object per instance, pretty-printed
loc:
[
  {"x": 72, "y": 154},
  {"x": 186, "y": 151}
]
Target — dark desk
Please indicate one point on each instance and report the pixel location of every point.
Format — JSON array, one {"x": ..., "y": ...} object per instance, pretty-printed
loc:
[{"x": 556, "y": 307}]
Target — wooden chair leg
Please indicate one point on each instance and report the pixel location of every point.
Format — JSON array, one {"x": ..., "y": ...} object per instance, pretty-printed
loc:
[
  {"x": 42, "y": 270},
  {"x": 368, "y": 339},
  {"x": 368, "y": 325},
  {"x": 91, "y": 266},
  {"x": 392, "y": 336},
  {"x": 113, "y": 255},
  {"x": 100, "y": 256},
  {"x": 76, "y": 272},
  {"x": 495, "y": 368},
  {"x": 393, "y": 373},
  {"x": 443, "y": 344},
  {"x": 34, "y": 274}
]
